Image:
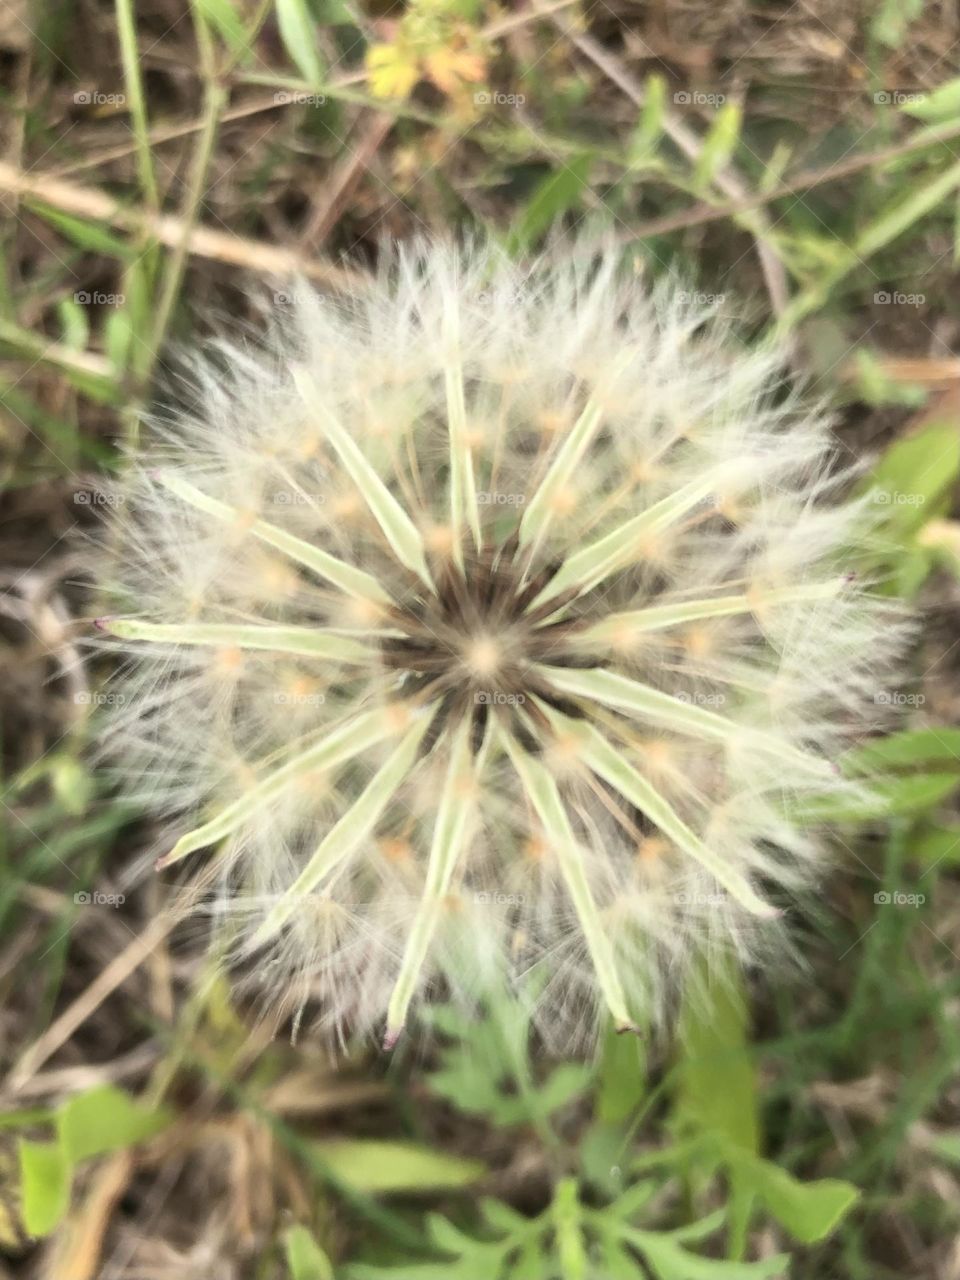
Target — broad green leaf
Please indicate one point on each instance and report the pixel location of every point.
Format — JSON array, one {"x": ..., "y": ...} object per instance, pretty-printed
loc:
[
  {"x": 912, "y": 474},
  {"x": 305, "y": 1259},
  {"x": 45, "y": 1177},
  {"x": 298, "y": 31},
  {"x": 376, "y": 1167},
  {"x": 105, "y": 1119},
  {"x": 716, "y": 1079},
  {"x": 555, "y": 195},
  {"x": 935, "y": 844},
  {"x": 670, "y": 1261},
  {"x": 622, "y": 1078},
  {"x": 941, "y": 105},
  {"x": 808, "y": 1210}
]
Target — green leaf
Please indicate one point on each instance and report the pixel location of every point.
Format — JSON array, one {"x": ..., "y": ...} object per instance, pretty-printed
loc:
[
  {"x": 670, "y": 1261},
  {"x": 912, "y": 474},
  {"x": 555, "y": 195},
  {"x": 45, "y": 1177},
  {"x": 936, "y": 844},
  {"x": 305, "y": 1259},
  {"x": 912, "y": 793},
  {"x": 87, "y": 235},
  {"x": 225, "y": 19},
  {"x": 650, "y": 124},
  {"x": 937, "y": 107},
  {"x": 900, "y": 750},
  {"x": 719, "y": 144},
  {"x": 372, "y": 1166},
  {"x": 808, "y": 1210},
  {"x": 622, "y": 1080},
  {"x": 717, "y": 1083},
  {"x": 105, "y": 1119},
  {"x": 74, "y": 320},
  {"x": 298, "y": 31}
]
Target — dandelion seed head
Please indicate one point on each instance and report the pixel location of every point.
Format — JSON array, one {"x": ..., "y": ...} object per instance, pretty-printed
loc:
[{"x": 496, "y": 620}]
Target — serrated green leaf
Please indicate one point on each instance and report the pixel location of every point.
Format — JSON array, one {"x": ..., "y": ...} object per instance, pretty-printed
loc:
[{"x": 808, "y": 1210}]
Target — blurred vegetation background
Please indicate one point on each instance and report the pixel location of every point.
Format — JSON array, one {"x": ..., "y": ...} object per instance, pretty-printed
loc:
[{"x": 171, "y": 165}]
